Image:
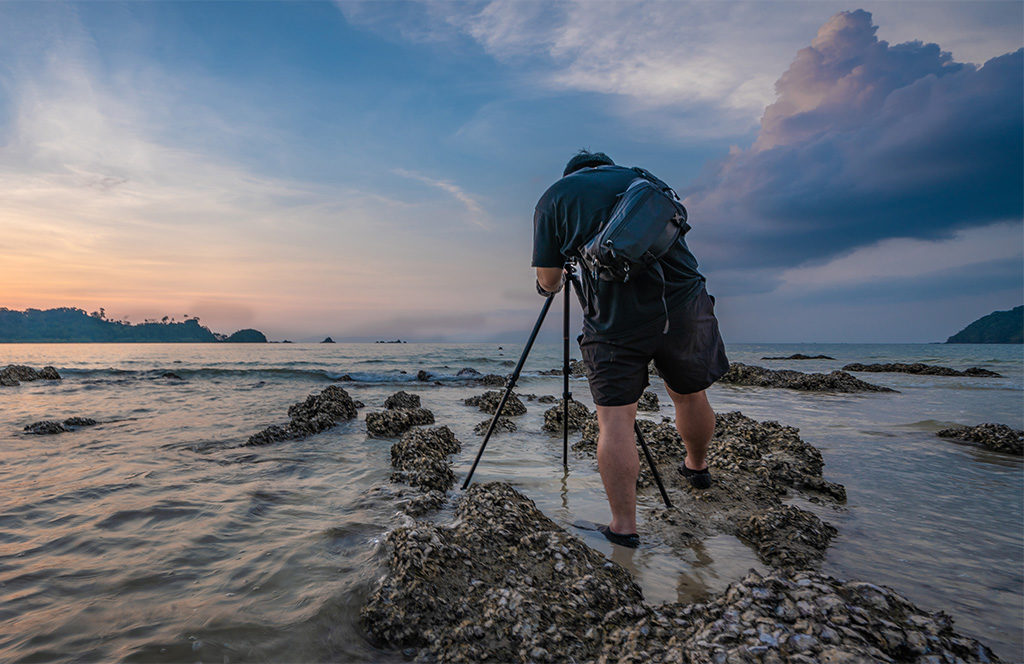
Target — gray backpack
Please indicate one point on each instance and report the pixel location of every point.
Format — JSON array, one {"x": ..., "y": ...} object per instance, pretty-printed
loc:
[{"x": 644, "y": 225}]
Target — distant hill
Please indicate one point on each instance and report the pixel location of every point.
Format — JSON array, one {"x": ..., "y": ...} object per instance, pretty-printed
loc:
[
  {"x": 247, "y": 336},
  {"x": 999, "y": 327},
  {"x": 70, "y": 324}
]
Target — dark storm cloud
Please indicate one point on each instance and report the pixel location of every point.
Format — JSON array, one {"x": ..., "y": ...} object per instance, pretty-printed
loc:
[{"x": 868, "y": 141}]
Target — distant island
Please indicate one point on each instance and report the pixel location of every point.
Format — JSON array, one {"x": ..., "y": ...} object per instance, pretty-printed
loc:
[
  {"x": 999, "y": 327},
  {"x": 70, "y": 325}
]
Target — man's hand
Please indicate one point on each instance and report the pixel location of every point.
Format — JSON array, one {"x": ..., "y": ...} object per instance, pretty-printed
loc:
[{"x": 550, "y": 280}]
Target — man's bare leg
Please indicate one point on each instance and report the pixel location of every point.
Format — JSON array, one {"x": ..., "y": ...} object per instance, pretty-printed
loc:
[
  {"x": 695, "y": 422},
  {"x": 619, "y": 464}
]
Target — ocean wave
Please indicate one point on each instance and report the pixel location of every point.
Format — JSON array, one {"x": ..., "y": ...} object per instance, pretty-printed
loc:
[{"x": 116, "y": 375}]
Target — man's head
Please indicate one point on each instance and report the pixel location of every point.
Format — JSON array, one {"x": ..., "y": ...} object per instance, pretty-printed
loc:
[{"x": 587, "y": 159}]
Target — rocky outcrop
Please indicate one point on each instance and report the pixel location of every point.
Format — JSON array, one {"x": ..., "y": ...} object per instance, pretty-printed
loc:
[
  {"x": 837, "y": 381},
  {"x": 503, "y": 424},
  {"x": 576, "y": 368},
  {"x": 468, "y": 372},
  {"x": 801, "y": 356},
  {"x": 317, "y": 413},
  {"x": 996, "y": 437},
  {"x": 493, "y": 380},
  {"x": 46, "y": 427},
  {"x": 13, "y": 374},
  {"x": 394, "y": 422},
  {"x": 488, "y": 403},
  {"x": 648, "y": 402},
  {"x": 755, "y": 465},
  {"x": 402, "y": 399},
  {"x": 420, "y": 459},
  {"x": 503, "y": 583},
  {"x": 920, "y": 368},
  {"x": 578, "y": 415}
]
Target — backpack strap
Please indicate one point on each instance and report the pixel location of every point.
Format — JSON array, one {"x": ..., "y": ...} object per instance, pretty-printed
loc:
[{"x": 653, "y": 179}]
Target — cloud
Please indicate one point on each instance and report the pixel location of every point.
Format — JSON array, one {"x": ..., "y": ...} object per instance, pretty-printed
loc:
[
  {"x": 477, "y": 214},
  {"x": 689, "y": 70},
  {"x": 868, "y": 141}
]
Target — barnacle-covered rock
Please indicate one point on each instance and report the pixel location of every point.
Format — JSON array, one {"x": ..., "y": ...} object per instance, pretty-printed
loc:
[
  {"x": 996, "y": 437},
  {"x": 394, "y": 422},
  {"x": 578, "y": 415},
  {"x": 488, "y": 403},
  {"x": 503, "y": 583},
  {"x": 317, "y": 413},
  {"x": 753, "y": 466},
  {"x": 648, "y": 402},
  {"x": 13, "y": 374},
  {"x": 48, "y": 427},
  {"x": 791, "y": 617},
  {"x": 420, "y": 458},
  {"x": 402, "y": 399},
  {"x": 786, "y": 535},
  {"x": 920, "y": 368},
  {"x": 837, "y": 381},
  {"x": 547, "y": 398},
  {"x": 576, "y": 368},
  {"x": 503, "y": 424},
  {"x": 493, "y": 380}
]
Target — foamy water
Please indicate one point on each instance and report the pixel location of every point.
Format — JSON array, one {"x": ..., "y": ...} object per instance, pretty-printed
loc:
[{"x": 154, "y": 537}]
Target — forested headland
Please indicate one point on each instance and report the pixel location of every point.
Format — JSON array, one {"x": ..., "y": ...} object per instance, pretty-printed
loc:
[{"x": 71, "y": 324}]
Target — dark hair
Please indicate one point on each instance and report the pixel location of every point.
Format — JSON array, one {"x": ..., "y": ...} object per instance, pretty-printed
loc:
[{"x": 585, "y": 159}]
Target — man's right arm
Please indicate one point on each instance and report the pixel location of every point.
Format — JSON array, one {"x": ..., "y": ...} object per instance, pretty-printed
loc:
[{"x": 547, "y": 247}]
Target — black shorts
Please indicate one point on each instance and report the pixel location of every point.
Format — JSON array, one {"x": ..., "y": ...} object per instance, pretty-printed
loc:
[{"x": 689, "y": 357}]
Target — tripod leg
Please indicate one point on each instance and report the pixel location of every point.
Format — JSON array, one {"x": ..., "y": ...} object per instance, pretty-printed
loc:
[
  {"x": 566, "y": 395},
  {"x": 650, "y": 464},
  {"x": 508, "y": 389}
]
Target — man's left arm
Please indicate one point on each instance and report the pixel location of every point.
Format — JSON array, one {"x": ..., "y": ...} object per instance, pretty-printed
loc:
[{"x": 549, "y": 279}]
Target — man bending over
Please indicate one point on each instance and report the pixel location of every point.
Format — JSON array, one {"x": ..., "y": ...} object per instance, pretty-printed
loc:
[{"x": 627, "y": 324}]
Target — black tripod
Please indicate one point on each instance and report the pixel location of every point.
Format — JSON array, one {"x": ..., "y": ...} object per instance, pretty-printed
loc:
[{"x": 571, "y": 280}]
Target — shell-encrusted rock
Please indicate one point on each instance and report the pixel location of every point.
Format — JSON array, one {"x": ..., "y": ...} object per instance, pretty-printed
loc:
[
  {"x": 488, "y": 403},
  {"x": 493, "y": 380},
  {"x": 787, "y": 536},
  {"x": 837, "y": 381},
  {"x": 317, "y": 413},
  {"x": 648, "y": 402},
  {"x": 394, "y": 422},
  {"x": 420, "y": 458},
  {"x": 503, "y": 583},
  {"x": 920, "y": 368},
  {"x": 578, "y": 415},
  {"x": 402, "y": 399},
  {"x": 996, "y": 437},
  {"x": 13, "y": 374},
  {"x": 503, "y": 424}
]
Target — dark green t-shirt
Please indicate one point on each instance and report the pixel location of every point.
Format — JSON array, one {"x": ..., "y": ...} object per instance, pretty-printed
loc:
[{"x": 571, "y": 212}]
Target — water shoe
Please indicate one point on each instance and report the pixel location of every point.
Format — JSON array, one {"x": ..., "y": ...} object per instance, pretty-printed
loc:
[
  {"x": 699, "y": 479},
  {"x": 631, "y": 541}
]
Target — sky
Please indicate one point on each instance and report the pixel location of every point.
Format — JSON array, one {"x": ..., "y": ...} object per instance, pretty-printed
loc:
[{"x": 369, "y": 170}]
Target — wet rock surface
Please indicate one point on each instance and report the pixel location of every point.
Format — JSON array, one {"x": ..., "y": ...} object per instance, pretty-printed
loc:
[
  {"x": 493, "y": 380},
  {"x": 837, "y": 381},
  {"x": 48, "y": 427},
  {"x": 576, "y": 368},
  {"x": 920, "y": 368},
  {"x": 801, "y": 356},
  {"x": 503, "y": 583},
  {"x": 317, "y": 413},
  {"x": 754, "y": 466},
  {"x": 488, "y": 403},
  {"x": 14, "y": 374},
  {"x": 503, "y": 424},
  {"x": 402, "y": 399},
  {"x": 393, "y": 422},
  {"x": 469, "y": 372},
  {"x": 420, "y": 459},
  {"x": 648, "y": 402},
  {"x": 996, "y": 437},
  {"x": 547, "y": 398},
  {"x": 578, "y": 416}
]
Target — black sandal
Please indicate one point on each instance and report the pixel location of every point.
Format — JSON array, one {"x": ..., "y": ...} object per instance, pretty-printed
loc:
[
  {"x": 629, "y": 541},
  {"x": 699, "y": 479}
]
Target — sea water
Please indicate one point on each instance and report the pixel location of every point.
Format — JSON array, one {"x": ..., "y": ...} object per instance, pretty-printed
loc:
[{"x": 153, "y": 536}]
